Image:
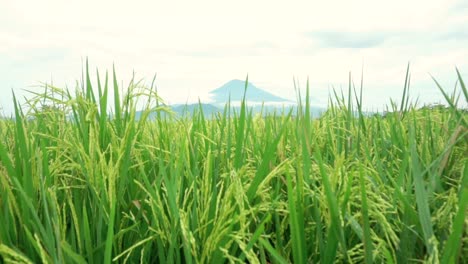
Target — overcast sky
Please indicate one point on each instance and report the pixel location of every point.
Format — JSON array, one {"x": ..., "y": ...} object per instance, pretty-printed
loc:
[{"x": 196, "y": 46}]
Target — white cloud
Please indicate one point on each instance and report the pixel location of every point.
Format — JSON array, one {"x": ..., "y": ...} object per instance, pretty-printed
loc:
[{"x": 197, "y": 46}]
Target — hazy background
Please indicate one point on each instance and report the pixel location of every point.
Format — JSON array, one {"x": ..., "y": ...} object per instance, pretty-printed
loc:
[{"x": 197, "y": 46}]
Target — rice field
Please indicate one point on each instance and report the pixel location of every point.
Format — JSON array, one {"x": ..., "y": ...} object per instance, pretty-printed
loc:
[{"x": 80, "y": 184}]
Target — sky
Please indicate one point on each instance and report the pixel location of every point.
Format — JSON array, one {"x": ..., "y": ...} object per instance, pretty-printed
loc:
[{"x": 197, "y": 46}]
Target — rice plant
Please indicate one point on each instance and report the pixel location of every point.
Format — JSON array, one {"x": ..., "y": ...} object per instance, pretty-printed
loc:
[{"x": 85, "y": 178}]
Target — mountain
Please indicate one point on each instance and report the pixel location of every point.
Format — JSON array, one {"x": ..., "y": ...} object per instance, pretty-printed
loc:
[
  {"x": 258, "y": 101},
  {"x": 234, "y": 90}
]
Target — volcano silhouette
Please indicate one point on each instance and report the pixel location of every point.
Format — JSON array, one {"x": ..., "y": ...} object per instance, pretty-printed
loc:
[{"x": 234, "y": 91}]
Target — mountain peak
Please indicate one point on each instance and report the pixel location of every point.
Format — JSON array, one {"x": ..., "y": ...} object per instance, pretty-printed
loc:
[
  {"x": 234, "y": 90},
  {"x": 232, "y": 85}
]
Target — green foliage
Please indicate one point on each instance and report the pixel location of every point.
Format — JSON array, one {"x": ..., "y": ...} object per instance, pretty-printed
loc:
[{"x": 83, "y": 180}]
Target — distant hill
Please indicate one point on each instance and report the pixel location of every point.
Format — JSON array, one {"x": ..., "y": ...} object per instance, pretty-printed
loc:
[
  {"x": 234, "y": 90},
  {"x": 315, "y": 112},
  {"x": 208, "y": 109},
  {"x": 258, "y": 101},
  {"x": 181, "y": 110}
]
